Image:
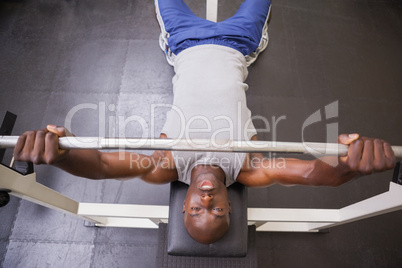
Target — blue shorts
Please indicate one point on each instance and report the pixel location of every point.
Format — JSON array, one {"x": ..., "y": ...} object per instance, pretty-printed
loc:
[{"x": 183, "y": 29}]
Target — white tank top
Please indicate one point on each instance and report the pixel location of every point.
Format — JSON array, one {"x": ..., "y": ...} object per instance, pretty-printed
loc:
[{"x": 209, "y": 103}]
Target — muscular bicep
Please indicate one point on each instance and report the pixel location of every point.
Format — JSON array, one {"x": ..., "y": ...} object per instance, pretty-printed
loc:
[
  {"x": 156, "y": 168},
  {"x": 125, "y": 165},
  {"x": 263, "y": 172},
  {"x": 258, "y": 171}
]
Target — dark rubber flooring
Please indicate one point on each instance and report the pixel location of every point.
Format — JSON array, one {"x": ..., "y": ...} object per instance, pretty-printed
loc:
[{"x": 103, "y": 56}]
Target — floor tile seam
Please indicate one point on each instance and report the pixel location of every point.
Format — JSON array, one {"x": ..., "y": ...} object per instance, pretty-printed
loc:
[
  {"x": 50, "y": 242},
  {"x": 93, "y": 253},
  {"x": 123, "y": 69},
  {"x": 11, "y": 232},
  {"x": 55, "y": 242},
  {"x": 102, "y": 194},
  {"x": 130, "y": 245},
  {"x": 2, "y": 259}
]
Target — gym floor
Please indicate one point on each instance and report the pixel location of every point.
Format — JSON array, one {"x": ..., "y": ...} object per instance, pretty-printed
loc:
[{"x": 96, "y": 66}]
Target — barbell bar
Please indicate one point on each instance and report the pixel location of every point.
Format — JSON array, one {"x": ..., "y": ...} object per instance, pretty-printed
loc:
[{"x": 101, "y": 143}]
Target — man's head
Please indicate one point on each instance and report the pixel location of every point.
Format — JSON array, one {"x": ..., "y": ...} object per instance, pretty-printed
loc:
[{"x": 206, "y": 208}]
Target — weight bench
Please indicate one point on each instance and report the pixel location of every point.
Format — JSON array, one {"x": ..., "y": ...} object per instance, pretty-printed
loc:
[{"x": 234, "y": 242}]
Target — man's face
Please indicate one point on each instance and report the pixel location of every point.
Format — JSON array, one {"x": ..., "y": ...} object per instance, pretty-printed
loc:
[{"x": 206, "y": 209}]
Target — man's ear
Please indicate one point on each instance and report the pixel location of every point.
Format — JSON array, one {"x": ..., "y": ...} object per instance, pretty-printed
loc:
[
  {"x": 230, "y": 207},
  {"x": 184, "y": 206}
]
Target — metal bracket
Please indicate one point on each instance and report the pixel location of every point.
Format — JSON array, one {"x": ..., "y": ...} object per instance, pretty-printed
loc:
[
  {"x": 4, "y": 198},
  {"x": 397, "y": 178},
  {"x": 6, "y": 128}
]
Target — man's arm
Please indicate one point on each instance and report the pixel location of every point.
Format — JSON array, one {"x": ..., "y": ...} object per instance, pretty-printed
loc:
[
  {"x": 42, "y": 147},
  {"x": 365, "y": 156}
]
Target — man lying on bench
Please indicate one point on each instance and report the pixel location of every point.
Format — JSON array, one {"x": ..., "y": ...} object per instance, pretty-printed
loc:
[{"x": 210, "y": 61}]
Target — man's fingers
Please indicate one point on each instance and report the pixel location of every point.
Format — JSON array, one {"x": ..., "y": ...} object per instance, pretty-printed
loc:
[
  {"x": 354, "y": 155},
  {"x": 390, "y": 159},
  {"x": 19, "y": 146},
  {"x": 51, "y": 148},
  {"x": 347, "y": 138},
  {"x": 59, "y": 131},
  {"x": 379, "y": 155},
  {"x": 366, "y": 165},
  {"x": 29, "y": 142},
  {"x": 368, "y": 155},
  {"x": 39, "y": 147},
  {"x": 24, "y": 146}
]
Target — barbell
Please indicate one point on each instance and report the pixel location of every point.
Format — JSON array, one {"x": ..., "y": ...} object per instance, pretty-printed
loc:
[{"x": 100, "y": 143}]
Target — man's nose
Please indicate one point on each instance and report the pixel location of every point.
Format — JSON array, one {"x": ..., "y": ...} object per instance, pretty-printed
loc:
[{"x": 207, "y": 198}]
